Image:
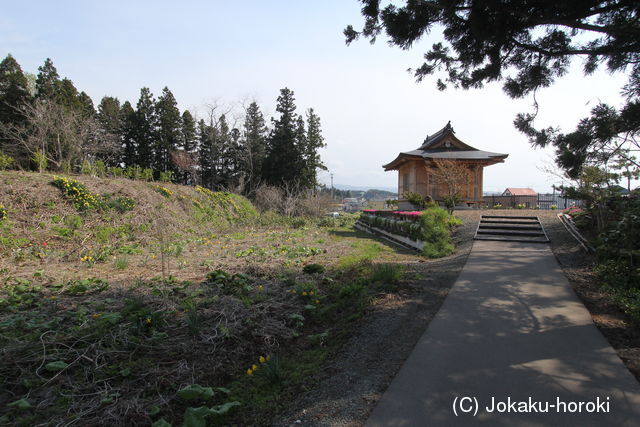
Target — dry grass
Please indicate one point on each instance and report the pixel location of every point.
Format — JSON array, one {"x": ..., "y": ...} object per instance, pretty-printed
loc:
[{"x": 152, "y": 322}]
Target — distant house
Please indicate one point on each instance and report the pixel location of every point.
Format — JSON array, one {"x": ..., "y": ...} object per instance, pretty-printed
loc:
[
  {"x": 511, "y": 191},
  {"x": 352, "y": 204},
  {"x": 415, "y": 168}
]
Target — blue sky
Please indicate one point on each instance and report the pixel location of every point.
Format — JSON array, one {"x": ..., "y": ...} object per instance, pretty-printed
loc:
[{"x": 230, "y": 52}]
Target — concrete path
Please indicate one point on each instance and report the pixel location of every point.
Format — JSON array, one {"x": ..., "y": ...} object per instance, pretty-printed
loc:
[{"x": 511, "y": 328}]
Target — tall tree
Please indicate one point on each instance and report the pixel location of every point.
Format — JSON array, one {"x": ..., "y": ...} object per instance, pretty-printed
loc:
[
  {"x": 127, "y": 130},
  {"x": 14, "y": 90},
  {"x": 184, "y": 158},
  {"x": 281, "y": 163},
  {"x": 108, "y": 118},
  {"x": 47, "y": 81},
  {"x": 255, "y": 135},
  {"x": 188, "y": 140},
  {"x": 85, "y": 105},
  {"x": 14, "y": 95},
  {"x": 169, "y": 130},
  {"x": 109, "y": 114},
  {"x": 528, "y": 45},
  {"x": 314, "y": 142},
  {"x": 207, "y": 151},
  {"x": 145, "y": 129}
]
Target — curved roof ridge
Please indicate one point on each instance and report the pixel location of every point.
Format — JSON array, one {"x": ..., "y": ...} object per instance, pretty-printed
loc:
[{"x": 437, "y": 136}]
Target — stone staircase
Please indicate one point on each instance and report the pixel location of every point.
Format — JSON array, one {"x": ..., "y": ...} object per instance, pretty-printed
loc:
[{"x": 526, "y": 229}]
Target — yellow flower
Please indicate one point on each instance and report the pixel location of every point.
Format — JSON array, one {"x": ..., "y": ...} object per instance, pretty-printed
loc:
[
  {"x": 95, "y": 316},
  {"x": 254, "y": 367},
  {"x": 148, "y": 320},
  {"x": 304, "y": 293},
  {"x": 317, "y": 301},
  {"x": 249, "y": 372},
  {"x": 310, "y": 292},
  {"x": 262, "y": 359}
]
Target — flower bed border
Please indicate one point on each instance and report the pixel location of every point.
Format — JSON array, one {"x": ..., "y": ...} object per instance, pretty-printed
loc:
[{"x": 396, "y": 239}]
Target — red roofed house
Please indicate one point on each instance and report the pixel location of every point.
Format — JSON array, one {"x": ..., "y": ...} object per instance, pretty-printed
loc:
[
  {"x": 414, "y": 167},
  {"x": 519, "y": 192}
]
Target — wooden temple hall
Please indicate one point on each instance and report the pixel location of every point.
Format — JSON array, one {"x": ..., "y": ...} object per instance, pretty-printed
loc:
[{"x": 415, "y": 167}]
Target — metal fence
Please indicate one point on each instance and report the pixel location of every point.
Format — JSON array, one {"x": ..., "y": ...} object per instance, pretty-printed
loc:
[{"x": 541, "y": 201}]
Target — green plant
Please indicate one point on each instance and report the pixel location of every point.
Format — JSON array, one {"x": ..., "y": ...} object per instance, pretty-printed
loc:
[
  {"x": 77, "y": 193},
  {"x": 497, "y": 206},
  {"x": 121, "y": 263},
  {"x": 271, "y": 370},
  {"x": 553, "y": 207},
  {"x": 387, "y": 273},
  {"x": 166, "y": 176},
  {"x": 121, "y": 204},
  {"x": 195, "y": 417},
  {"x": 5, "y": 161},
  {"x": 100, "y": 168},
  {"x": 230, "y": 284},
  {"x": 520, "y": 206},
  {"x": 415, "y": 199},
  {"x": 436, "y": 232},
  {"x": 164, "y": 191},
  {"x": 3, "y": 212},
  {"x": 85, "y": 286},
  {"x": 73, "y": 221},
  {"x": 193, "y": 319},
  {"x": 86, "y": 168},
  {"x": 313, "y": 269},
  {"x": 39, "y": 158},
  {"x": 450, "y": 202}
]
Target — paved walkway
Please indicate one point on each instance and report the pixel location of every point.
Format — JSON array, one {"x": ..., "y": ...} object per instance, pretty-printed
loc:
[{"x": 511, "y": 328}]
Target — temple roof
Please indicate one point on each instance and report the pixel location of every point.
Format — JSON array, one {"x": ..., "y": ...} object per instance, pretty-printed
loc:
[{"x": 445, "y": 145}]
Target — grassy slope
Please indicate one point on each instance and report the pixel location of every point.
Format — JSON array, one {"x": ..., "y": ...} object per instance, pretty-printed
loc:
[{"x": 111, "y": 338}]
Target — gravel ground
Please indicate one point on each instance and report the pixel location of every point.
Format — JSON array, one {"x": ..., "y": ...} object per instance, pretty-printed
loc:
[{"x": 352, "y": 384}]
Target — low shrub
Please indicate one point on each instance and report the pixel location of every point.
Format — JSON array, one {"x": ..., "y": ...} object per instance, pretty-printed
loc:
[
  {"x": 436, "y": 232},
  {"x": 313, "y": 269},
  {"x": 121, "y": 204},
  {"x": 5, "y": 161},
  {"x": 387, "y": 273},
  {"x": 77, "y": 193}
]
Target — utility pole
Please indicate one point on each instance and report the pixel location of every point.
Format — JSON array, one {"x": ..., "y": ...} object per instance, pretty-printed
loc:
[{"x": 331, "y": 174}]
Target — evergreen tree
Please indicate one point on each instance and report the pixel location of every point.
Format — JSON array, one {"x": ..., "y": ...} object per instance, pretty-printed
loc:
[
  {"x": 185, "y": 157},
  {"x": 280, "y": 167},
  {"x": 314, "y": 142},
  {"x": 85, "y": 105},
  {"x": 169, "y": 130},
  {"x": 109, "y": 114},
  {"x": 14, "y": 90},
  {"x": 14, "y": 95},
  {"x": 299, "y": 166},
  {"x": 67, "y": 95},
  {"x": 145, "y": 132},
  {"x": 108, "y": 119},
  {"x": 127, "y": 119},
  {"x": 47, "y": 81},
  {"x": 254, "y": 141},
  {"x": 188, "y": 141},
  {"x": 206, "y": 154}
]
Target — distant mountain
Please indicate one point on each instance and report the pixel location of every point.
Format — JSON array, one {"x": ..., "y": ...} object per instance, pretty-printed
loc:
[{"x": 393, "y": 190}]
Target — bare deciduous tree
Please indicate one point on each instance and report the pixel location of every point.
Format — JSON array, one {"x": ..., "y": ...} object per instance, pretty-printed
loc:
[
  {"x": 59, "y": 134},
  {"x": 454, "y": 176},
  {"x": 187, "y": 163}
]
